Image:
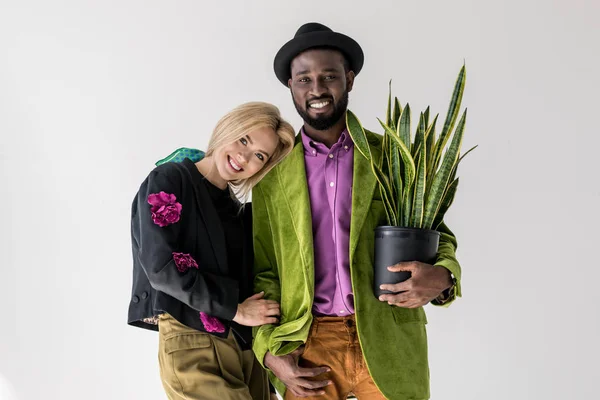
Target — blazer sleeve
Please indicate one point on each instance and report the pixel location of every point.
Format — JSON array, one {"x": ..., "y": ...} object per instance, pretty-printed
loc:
[
  {"x": 169, "y": 269},
  {"x": 266, "y": 276},
  {"x": 446, "y": 258}
]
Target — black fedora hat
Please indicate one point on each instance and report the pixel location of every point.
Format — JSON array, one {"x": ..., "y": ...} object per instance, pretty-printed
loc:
[{"x": 313, "y": 35}]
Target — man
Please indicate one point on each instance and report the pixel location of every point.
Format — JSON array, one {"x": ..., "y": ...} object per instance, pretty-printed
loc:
[{"x": 314, "y": 216}]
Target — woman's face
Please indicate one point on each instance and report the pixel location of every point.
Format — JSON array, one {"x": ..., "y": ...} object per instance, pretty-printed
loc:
[{"x": 245, "y": 157}]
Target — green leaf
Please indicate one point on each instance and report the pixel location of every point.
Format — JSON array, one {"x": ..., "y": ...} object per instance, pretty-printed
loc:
[
  {"x": 357, "y": 132},
  {"x": 384, "y": 161},
  {"x": 408, "y": 205},
  {"x": 388, "y": 111},
  {"x": 403, "y": 128},
  {"x": 453, "y": 175},
  {"x": 446, "y": 203},
  {"x": 387, "y": 147},
  {"x": 468, "y": 151},
  {"x": 407, "y": 160},
  {"x": 440, "y": 181},
  {"x": 420, "y": 185},
  {"x": 386, "y": 194},
  {"x": 389, "y": 210},
  {"x": 430, "y": 144},
  {"x": 396, "y": 175},
  {"x": 426, "y": 115},
  {"x": 419, "y": 136},
  {"x": 393, "y": 169},
  {"x": 397, "y": 112},
  {"x": 453, "y": 110}
]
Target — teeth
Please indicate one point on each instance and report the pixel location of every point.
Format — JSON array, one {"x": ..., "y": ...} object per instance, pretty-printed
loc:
[
  {"x": 233, "y": 165},
  {"x": 319, "y": 105}
]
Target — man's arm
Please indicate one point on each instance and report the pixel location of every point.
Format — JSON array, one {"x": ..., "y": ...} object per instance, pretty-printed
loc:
[
  {"x": 286, "y": 368},
  {"x": 446, "y": 258},
  {"x": 266, "y": 276}
]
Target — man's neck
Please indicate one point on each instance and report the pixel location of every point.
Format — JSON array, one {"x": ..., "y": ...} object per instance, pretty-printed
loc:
[{"x": 329, "y": 136}]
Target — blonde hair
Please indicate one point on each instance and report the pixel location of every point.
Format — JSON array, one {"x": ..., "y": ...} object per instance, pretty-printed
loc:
[{"x": 244, "y": 119}]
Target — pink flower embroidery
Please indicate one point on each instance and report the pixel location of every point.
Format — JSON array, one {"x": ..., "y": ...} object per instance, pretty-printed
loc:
[
  {"x": 165, "y": 210},
  {"x": 184, "y": 261},
  {"x": 211, "y": 324}
]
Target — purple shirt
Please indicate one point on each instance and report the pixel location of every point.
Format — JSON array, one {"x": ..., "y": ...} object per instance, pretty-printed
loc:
[{"x": 329, "y": 177}]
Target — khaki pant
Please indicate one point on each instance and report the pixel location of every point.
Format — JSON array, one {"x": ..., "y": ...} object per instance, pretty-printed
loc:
[
  {"x": 198, "y": 366},
  {"x": 333, "y": 342}
]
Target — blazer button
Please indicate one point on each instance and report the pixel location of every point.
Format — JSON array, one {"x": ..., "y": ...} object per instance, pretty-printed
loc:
[
  {"x": 136, "y": 299},
  {"x": 144, "y": 295}
]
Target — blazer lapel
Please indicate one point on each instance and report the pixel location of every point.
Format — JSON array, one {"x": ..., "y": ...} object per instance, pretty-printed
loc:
[
  {"x": 294, "y": 189},
  {"x": 363, "y": 187}
]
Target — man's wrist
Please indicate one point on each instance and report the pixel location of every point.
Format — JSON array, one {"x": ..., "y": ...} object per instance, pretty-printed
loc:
[
  {"x": 446, "y": 294},
  {"x": 449, "y": 280}
]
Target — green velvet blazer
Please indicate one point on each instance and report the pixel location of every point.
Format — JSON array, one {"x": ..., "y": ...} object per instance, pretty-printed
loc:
[{"x": 393, "y": 339}]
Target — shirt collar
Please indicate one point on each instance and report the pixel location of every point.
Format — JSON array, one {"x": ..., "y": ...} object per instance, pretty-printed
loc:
[{"x": 312, "y": 147}]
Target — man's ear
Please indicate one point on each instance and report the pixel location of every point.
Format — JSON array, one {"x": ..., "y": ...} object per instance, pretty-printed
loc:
[{"x": 349, "y": 80}]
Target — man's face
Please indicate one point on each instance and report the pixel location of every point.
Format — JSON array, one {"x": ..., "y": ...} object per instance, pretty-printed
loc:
[{"x": 320, "y": 87}]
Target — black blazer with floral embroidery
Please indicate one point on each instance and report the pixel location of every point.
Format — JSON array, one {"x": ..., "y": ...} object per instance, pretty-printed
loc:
[{"x": 179, "y": 255}]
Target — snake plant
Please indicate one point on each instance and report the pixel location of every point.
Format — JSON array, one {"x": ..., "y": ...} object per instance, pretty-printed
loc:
[{"x": 416, "y": 174}]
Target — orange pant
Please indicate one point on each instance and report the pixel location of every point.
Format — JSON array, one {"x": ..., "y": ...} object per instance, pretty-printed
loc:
[{"x": 333, "y": 342}]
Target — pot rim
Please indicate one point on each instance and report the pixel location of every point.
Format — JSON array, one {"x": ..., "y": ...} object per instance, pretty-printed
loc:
[{"x": 389, "y": 228}]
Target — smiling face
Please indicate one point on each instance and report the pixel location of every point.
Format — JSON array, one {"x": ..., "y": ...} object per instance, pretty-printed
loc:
[
  {"x": 247, "y": 156},
  {"x": 320, "y": 82}
]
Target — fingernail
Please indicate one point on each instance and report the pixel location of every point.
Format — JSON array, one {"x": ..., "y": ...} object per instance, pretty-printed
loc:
[{"x": 381, "y": 298}]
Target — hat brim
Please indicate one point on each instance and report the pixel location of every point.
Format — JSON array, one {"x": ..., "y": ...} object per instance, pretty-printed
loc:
[{"x": 297, "y": 45}]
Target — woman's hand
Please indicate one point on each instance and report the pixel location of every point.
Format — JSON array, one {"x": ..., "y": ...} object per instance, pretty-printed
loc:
[{"x": 256, "y": 311}]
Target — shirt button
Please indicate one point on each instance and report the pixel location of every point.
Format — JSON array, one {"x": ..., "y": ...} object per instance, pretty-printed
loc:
[
  {"x": 144, "y": 295},
  {"x": 331, "y": 184},
  {"x": 135, "y": 299},
  {"x": 342, "y": 311},
  {"x": 345, "y": 147},
  {"x": 314, "y": 152},
  {"x": 331, "y": 156}
]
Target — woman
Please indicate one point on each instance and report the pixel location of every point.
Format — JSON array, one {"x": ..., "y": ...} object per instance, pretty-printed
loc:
[{"x": 192, "y": 251}]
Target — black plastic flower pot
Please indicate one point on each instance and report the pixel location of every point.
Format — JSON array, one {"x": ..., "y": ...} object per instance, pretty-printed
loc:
[{"x": 393, "y": 245}]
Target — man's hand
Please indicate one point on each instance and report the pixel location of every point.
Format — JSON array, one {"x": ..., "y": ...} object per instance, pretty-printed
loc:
[
  {"x": 425, "y": 284},
  {"x": 295, "y": 377}
]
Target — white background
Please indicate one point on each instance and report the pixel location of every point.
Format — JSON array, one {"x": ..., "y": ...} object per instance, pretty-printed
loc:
[{"x": 93, "y": 93}]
